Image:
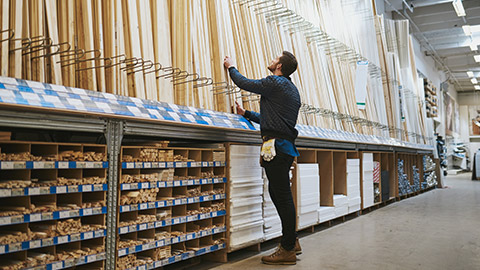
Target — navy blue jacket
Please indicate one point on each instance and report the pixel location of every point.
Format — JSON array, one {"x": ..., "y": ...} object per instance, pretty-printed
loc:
[{"x": 279, "y": 104}]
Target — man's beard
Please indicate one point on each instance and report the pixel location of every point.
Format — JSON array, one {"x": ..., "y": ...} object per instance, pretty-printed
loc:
[{"x": 272, "y": 69}]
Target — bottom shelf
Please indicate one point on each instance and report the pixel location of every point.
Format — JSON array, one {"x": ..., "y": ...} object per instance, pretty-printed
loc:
[
  {"x": 179, "y": 257},
  {"x": 71, "y": 262}
]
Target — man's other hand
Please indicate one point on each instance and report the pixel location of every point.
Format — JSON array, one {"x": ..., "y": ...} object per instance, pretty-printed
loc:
[
  {"x": 240, "y": 110},
  {"x": 228, "y": 62}
]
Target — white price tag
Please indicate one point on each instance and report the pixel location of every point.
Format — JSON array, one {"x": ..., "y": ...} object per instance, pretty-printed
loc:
[
  {"x": 125, "y": 208},
  {"x": 143, "y": 206},
  {"x": 91, "y": 258},
  {"x": 7, "y": 165},
  {"x": 142, "y": 227},
  {"x": 62, "y": 189},
  {"x": 87, "y": 211},
  {"x": 73, "y": 188},
  {"x": 62, "y": 239},
  {"x": 162, "y": 164},
  {"x": 5, "y": 220},
  {"x": 63, "y": 164},
  {"x": 38, "y": 164},
  {"x": 35, "y": 244},
  {"x": 175, "y": 240},
  {"x": 35, "y": 217},
  {"x": 177, "y": 183},
  {"x": 130, "y": 165},
  {"x": 5, "y": 192},
  {"x": 87, "y": 188},
  {"x": 88, "y": 235},
  {"x": 176, "y": 220},
  {"x": 139, "y": 165},
  {"x": 214, "y": 214},
  {"x": 98, "y": 187},
  {"x": 145, "y": 185},
  {"x": 34, "y": 191},
  {"x": 190, "y": 237},
  {"x": 57, "y": 265},
  {"x": 81, "y": 164},
  {"x": 64, "y": 214},
  {"x": 123, "y": 230},
  {"x": 147, "y": 165},
  {"x": 15, "y": 247},
  {"x": 2, "y": 249}
]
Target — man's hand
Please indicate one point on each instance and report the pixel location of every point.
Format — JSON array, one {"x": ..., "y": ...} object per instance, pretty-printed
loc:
[
  {"x": 228, "y": 62},
  {"x": 240, "y": 110}
]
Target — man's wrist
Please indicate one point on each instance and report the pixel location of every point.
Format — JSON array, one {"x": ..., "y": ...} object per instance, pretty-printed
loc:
[{"x": 232, "y": 66}]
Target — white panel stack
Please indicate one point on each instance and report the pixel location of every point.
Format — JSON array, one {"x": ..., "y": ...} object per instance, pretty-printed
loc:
[
  {"x": 273, "y": 226},
  {"x": 246, "y": 196},
  {"x": 368, "y": 195},
  {"x": 353, "y": 185},
  {"x": 308, "y": 194},
  {"x": 326, "y": 213},
  {"x": 341, "y": 205}
]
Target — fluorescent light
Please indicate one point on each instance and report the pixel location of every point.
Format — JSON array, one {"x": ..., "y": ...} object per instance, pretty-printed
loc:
[
  {"x": 473, "y": 46},
  {"x": 467, "y": 30},
  {"x": 475, "y": 28},
  {"x": 477, "y": 58},
  {"x": 477, "y": 87},
  {"x": 474, "y": 81},
  {"x": 458, "y": 6},
  {"x": 470, "y": 74}
]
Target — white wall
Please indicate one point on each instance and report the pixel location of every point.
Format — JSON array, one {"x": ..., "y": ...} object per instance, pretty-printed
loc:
[{"x": 469, "y": 99}]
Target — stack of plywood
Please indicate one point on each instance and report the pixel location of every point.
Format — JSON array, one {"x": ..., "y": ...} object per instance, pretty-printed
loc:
[{"x": 245, "y": 196}]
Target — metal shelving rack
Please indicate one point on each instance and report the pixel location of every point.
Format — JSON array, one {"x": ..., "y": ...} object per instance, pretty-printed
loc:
[{"x": 115, "y": 127}]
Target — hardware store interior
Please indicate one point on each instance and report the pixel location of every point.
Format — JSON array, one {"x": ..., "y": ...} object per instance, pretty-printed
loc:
[{"x": 157, "y": 134}]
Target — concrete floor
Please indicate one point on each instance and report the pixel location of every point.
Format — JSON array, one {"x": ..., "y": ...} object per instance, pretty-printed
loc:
[{"x": 439, "y": 229}]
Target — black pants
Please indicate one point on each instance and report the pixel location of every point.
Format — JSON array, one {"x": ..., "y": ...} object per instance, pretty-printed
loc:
[{"x": 277, "y": 171}]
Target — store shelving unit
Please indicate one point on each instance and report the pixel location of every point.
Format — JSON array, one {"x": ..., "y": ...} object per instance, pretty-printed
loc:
[
  {"x": 142, "y": 120},
  {"x": 53, "y": 201},
  {"x": 171, "y": 205}
]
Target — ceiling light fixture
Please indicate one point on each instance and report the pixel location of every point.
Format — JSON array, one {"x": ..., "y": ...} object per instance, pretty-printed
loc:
[
  {"x": 477, "y": 87},
  {"x": 470, "y": 74},
  {"x": 467, "y": 30},
  {"x": 458, "y": 6},
  {"x": 474, "y": 81},
  {"x": 477, "y": 58},
  {"x": 473, "y": 46}
]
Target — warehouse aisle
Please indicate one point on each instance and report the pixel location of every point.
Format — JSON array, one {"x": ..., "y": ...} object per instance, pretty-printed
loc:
[{"x": 435, "y": 230}]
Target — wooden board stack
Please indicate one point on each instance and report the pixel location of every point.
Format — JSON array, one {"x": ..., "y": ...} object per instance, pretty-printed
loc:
[{"x": 173, "y": 51}]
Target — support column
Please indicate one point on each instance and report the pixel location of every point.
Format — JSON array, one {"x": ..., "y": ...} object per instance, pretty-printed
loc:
[{"x": 114, "y": 136}]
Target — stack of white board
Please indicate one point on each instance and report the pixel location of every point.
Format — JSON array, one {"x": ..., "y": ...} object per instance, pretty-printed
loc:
[
  {"x": 326, "y": 213},
  {"x": 368, "y": 195},
  {"x": 246, "y": 196},
  {"x": 272, "y": 227},
  {"x": 308, "y": 194},
  {"x": 353, "y": 185},
  {"x": 341, "y": 205}
]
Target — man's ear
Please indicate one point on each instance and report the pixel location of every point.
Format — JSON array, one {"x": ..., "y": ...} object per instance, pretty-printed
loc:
[{"x": 279, "y": 66}]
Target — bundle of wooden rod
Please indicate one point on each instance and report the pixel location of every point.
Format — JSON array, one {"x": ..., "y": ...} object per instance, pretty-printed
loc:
[{"x": 173, "y": 50}]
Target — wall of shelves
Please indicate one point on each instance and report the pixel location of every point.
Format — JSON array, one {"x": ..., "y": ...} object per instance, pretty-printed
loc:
[
  {"x": 53, "y": 204},
  {"x": 171, "y": 206}
]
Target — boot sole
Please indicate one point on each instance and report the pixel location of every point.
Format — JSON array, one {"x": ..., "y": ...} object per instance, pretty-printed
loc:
[
  {"x": 280, "y": 263},
  {"x": 298, "y": 252}
]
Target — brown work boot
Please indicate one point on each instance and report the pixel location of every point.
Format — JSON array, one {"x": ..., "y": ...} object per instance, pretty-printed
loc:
[
  {"x": 281, "y": 256},
  {"x": 298, "y": 248}
]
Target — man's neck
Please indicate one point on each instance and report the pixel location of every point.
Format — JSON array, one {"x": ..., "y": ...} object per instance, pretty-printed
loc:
[{"x": 278, "y": 73}]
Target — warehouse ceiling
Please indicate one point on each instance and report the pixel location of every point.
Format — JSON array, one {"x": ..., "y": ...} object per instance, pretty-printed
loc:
[{"x": 438, "y": 28}]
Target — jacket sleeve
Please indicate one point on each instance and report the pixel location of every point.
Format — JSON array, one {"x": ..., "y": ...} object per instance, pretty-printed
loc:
[
  {"x": 254, "y": 116},
  {"x": 261, "y": 87}
]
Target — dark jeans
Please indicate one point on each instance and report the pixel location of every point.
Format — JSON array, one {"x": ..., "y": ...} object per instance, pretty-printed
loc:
[{"x": 277, "y": 171}]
